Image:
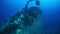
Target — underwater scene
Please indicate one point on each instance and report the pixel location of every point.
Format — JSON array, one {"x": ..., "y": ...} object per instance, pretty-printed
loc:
[{"x": 29, "y": 16}]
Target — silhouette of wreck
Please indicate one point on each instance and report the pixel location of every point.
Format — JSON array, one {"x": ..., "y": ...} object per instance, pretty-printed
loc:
[{"x": 21, "y": 19}]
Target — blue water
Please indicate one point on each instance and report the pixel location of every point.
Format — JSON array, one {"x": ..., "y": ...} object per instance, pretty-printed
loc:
[{"x": 50, "y": 9}]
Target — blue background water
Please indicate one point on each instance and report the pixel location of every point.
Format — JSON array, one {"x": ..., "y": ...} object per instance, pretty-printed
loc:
[{"x": 50, "y": 9}]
